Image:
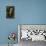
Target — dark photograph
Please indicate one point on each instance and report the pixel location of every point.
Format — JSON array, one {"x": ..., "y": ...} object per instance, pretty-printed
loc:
[{"x": 10, "y": 12}]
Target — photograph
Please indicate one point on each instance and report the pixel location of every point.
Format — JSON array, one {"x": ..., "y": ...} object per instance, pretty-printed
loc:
[
  {"x": 30, "y": 33},
  {"x": 10, "y": 12}
]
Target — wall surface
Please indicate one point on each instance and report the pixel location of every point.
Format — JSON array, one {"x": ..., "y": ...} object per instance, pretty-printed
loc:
[
  {"x": 6, "y": 25},
  {"x": 31, "y": 11},
  {"x": 27, "y": 12}
]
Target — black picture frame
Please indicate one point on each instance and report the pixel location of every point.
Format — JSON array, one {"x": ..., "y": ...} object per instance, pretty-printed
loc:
[{"x": 10, "y": 11}]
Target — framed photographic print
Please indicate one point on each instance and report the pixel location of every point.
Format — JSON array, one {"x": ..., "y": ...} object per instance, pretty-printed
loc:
[
  {"x": 10, "y": 12},
  {"x": 33, "y": 32}
]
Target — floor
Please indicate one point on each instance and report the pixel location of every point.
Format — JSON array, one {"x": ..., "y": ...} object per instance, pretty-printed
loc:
[
  {"x": 30, "y": 43},
  {"x": 7, "y": 45}
]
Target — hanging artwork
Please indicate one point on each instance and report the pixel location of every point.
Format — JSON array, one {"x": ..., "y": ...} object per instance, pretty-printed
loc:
[
  {"x": 32, "y": 32},
  {"x": 10, "y": 12}
]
